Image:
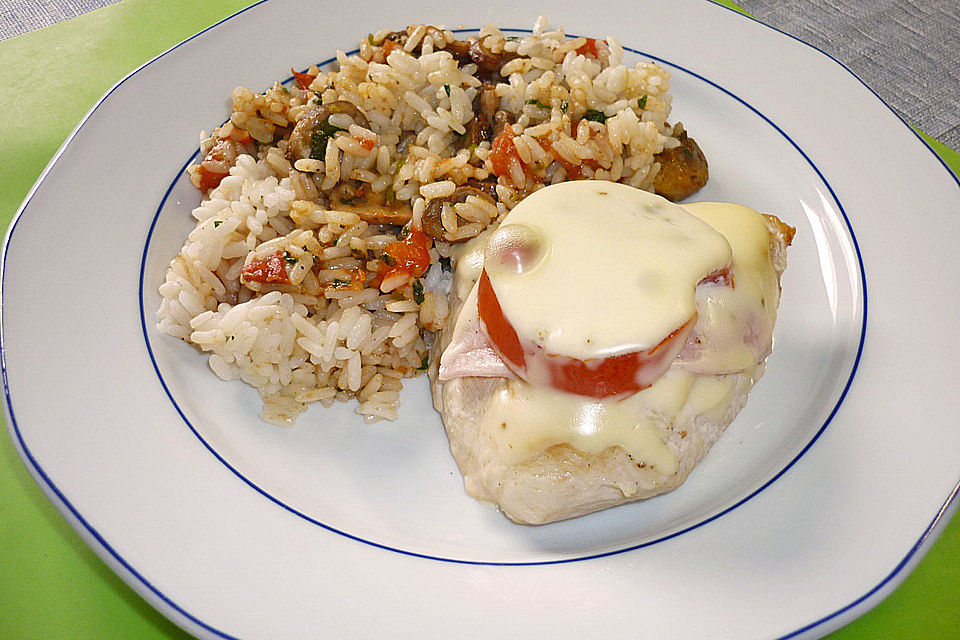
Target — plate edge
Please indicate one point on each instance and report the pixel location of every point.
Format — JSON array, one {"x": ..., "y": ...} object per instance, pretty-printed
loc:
[{"x": 821, "y": 626}]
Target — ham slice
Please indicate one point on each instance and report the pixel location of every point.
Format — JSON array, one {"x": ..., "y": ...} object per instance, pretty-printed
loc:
[{"x": 470, "y": 353}]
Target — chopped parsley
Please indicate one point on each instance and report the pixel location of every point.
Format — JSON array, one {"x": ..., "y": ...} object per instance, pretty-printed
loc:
[
  {"x": 318, "y": 99},
  {"x": 445, "y": 264},
  {"x": 328, "y": 129},
  {"x": 564, "y": 106},
  {"x": 389, "y": 260},
  {"x": 405, "y": 231},
  {"x": 595, "y": 115},
  {"x": 388, "y": 195},
  {"x": 318, "y": 144},
  {"x": 512, "y": 38},
  {"x": 340, "y": 282},
  {"x": 417, "y": 291},
  {"x": 318, "y": 139},
  {"x": 217, "y": 223},
  {"x": 642, "y": 102},
  {"x": 537, "y": 104},
  {"x": 289, "y": 258},
  {"x": 370, "y": 38},
  {"x": 424, "y": 363},
  {"x": 446, "y": 88}
]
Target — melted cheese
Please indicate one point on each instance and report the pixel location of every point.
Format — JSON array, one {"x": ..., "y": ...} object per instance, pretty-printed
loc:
[
  {"x": 735, "y": 325},
  {"x": 524, "y": 420},
  {"x": 468, "y": 257},
  {"x": 616, "y": 271},
  {"x": 734, "y": 328}
]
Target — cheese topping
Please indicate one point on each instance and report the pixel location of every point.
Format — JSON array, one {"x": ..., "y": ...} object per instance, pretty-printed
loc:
[
  {"x": 734, "y": 330},
  {"x": 733, "y": 333},
  {"x": 525, "y": 420},
  {"x": 468, "y": 257},
  {"x": 592, "y": 269}
]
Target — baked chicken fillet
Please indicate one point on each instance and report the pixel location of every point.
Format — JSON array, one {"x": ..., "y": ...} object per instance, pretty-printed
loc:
[{"x": 680, "y": 415}]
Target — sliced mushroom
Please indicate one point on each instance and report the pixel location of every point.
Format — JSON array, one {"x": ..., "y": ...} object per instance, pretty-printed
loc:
[
  {"x": 488, "y": 186},
  {"x": 352, "y": 196},
  {"x": 432, "y": 221},
  {"x": 460, "y": 49},
  {"x": 398, "y": 214},
  {"x": 347, "y": 192},
  {"x": 398, "y": 37},
  {"x": 301, "y": 139},
  {"x": 683, "y": 169},
  {"x": 476, "y": 133},
  {"x": 405, "y": 143},
  {"x": 486, "y": 60},
  {"x": 480, "y": 128}
]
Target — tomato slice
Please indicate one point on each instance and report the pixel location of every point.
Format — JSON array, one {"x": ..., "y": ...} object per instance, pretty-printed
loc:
[
  {"x": 210, "y": 179},
  {"x": 270, "y": 270},
  {"x": 501, "y": 333},
  {"x": 410, "y": 255},
  {"x": 304, "y": 80},
  {"x": 589, "y": 48},
  {"x": 503, "y": 154},
  {"x": 620, "y": 375}
]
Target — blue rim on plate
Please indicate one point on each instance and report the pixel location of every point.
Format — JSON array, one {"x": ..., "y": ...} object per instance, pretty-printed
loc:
[{"x": 71, "y": 512}]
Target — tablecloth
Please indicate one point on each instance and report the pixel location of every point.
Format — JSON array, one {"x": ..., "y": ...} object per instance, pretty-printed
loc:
[{"x": 51, "y": 584}]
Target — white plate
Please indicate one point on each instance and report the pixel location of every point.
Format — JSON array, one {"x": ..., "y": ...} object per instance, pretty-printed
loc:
[{"x": 812, "y": 507}]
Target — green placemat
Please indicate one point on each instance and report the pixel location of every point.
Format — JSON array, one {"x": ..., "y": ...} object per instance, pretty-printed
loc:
[{"x": 51, "y": 584}]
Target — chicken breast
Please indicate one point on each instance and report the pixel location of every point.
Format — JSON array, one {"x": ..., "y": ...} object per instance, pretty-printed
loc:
[{"x": 563, "y": 482}]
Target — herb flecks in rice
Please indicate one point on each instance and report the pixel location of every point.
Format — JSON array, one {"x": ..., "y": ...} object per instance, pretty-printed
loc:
[{"x": 417, "y": 117}]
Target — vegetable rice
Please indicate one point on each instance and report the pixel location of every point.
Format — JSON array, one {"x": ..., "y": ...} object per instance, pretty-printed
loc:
[{"x": 318, "y": 269}]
